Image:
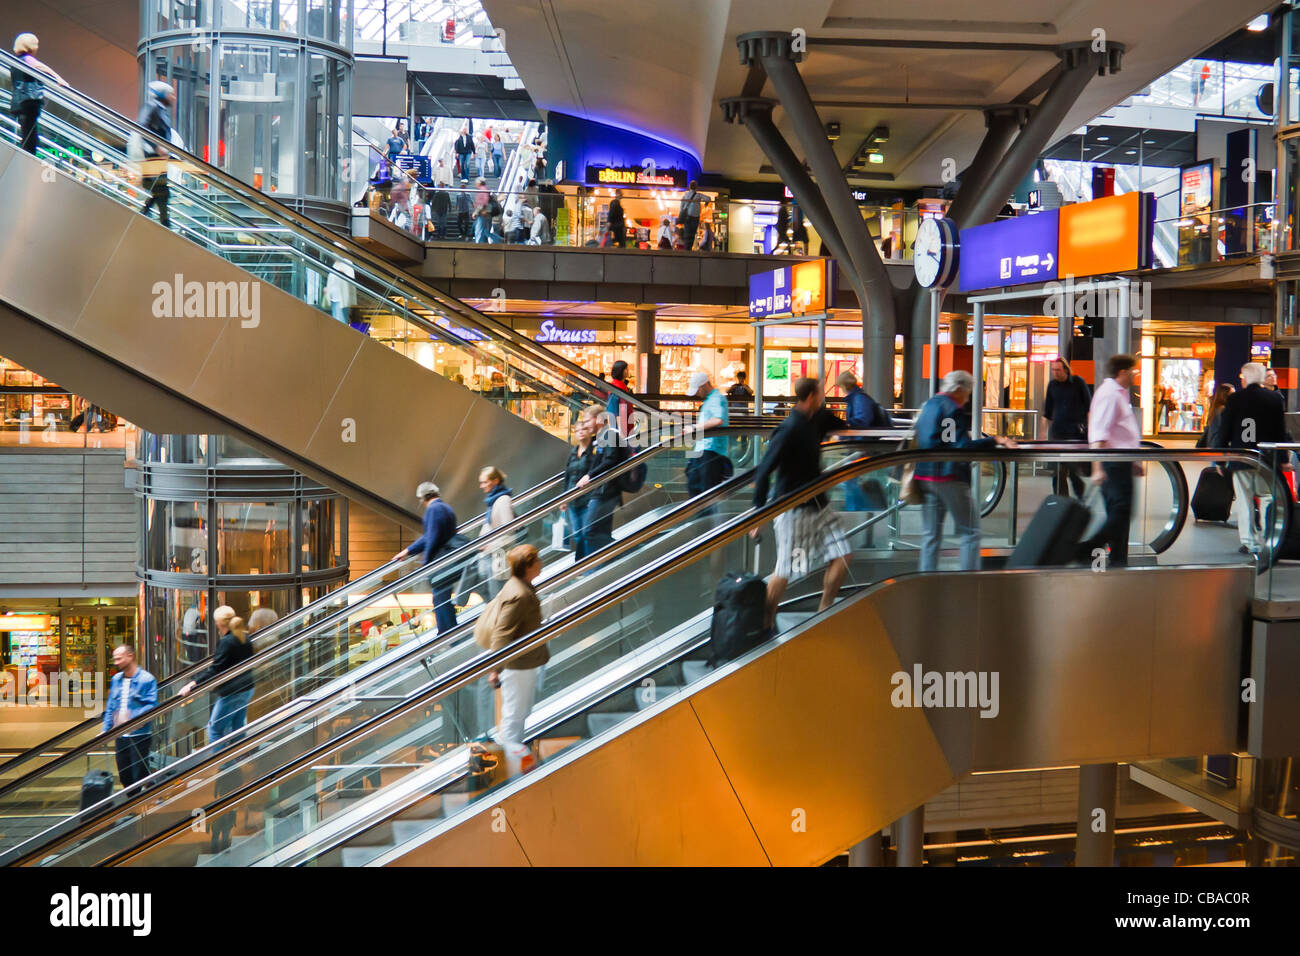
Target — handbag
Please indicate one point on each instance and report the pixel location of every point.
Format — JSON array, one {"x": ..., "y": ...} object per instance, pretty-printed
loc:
[{"x": 910, "y": 492}]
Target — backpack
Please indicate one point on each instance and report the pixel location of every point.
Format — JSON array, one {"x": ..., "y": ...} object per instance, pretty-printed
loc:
[
  {"x": 633, "y": 480},
  {"x": 493, "y": 207}
]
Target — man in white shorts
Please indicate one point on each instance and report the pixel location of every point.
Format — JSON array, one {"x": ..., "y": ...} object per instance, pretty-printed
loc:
[{"x": 811, "y": 530}]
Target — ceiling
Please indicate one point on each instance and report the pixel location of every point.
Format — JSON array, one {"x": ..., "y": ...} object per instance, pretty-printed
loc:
[
  {"x": 468, "y": 94},
  {"x": 661, "y": 68},
  {"x": 1123, "y": 145}
]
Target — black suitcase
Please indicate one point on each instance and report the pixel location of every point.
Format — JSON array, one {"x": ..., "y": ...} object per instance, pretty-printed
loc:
[
  {"x": 1212, "y": 499},
  {"x": 739, "y": 606},
  {"x": 96, "y": 785},
  {"x": 1053, "y": 535}
]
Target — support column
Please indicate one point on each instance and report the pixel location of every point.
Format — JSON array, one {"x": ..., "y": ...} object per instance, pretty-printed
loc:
[
  {"x": 647, "y": 359},
  {"x": 909, "y": 834},
  {"x": 867, "y": 853},
  {"x": 1065, "y": 333},
  {"x": 875, "y": 294},
  {"x": 1095, "y": 843}
]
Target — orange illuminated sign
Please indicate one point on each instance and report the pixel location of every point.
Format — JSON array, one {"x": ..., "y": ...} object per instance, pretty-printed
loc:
[
  {"x": 24, "y": 622},
  {"x": 1101, "y": 236},
  {"x": 808, "y": 288}
]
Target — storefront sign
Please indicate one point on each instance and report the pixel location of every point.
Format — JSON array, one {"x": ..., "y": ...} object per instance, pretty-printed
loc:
[
  {"x": 1196, "y": 189},
  {"x": 648, "y": 175},
  {"x": 680, "y": 339},
  {"x": 24, "y": 622},
  {"x": 806, "y": 288},
  {"x": 1009, "y": 252},
  {"x": 550, "y": 334},
  {"x": 1106, "y": 235}
]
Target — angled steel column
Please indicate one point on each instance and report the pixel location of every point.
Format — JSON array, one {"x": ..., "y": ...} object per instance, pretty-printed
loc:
[
  {"x": 755, "y": 112},
  {"x": 1080, "y": 64},
  {"x": 875, "y": 294},
  {"x": 1095, "y": 843},
  {"x": 1001, "y": 124}
]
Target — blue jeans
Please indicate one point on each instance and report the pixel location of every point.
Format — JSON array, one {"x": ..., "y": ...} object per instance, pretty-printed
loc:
[
  {"x": 133, "y": 758},
  {"x": 855, "y": 499},
  {"x": 444, "y": 612},
  {"x": 599, "y": 521},
  {"x": 229, "y": 713},
  {"x": 482, "y": 228},
  {"x": 942, "y": 497},
  {"x": 497, "y": 159},
  {"x": 576, "y": 519}
]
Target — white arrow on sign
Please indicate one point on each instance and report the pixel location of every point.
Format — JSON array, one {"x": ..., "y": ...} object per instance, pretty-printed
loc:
[{"x": 1047, "y": 264}]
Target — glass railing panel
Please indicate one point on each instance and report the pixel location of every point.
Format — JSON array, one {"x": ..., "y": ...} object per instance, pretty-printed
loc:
[{"x": 391, "y": 617}]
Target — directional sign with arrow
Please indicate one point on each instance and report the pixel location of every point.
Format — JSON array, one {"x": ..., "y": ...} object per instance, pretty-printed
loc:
[{"x": 1009, "y": 252}]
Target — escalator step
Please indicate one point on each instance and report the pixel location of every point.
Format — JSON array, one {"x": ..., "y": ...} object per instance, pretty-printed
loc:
[
  {"x": 786, "y": 620},
  {"x": 644, "y": 696},
  {"x": 599, "y": 723},
  {"x": 694, "y": 670}
]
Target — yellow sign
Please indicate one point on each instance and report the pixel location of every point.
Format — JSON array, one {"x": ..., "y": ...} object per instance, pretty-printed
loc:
[{"x": 24, "y": 622}]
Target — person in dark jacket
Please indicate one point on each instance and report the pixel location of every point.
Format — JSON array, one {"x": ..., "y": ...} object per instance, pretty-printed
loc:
[
  {"x": 439, "y": 528},
  {"x": 794, "y": 455},
  {"x": 582, "y": 456},
  {"x": 945, "y": 422},
  {"x": 611, "y": 451},
  {"x": 617, "y": 220},
  {"x": 230, "y": 699},
  {"x": 1211, "y": 434},
  {"x": 28, "y": 91},
  {"x": 155, "y": 116},
  {"x": 440, "y": 205},
  {"x": 740, "y": 395},
  {"x": 862, "y": 412},
  {"x": 1250, "y": 416},
  {"x": 1066, "y": 409}
]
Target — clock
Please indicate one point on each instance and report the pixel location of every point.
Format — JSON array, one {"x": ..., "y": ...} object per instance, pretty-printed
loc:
[{"x": 934, "y": 253}]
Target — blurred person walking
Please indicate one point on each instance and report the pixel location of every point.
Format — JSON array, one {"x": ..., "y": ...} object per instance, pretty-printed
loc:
[
  {"x": 28, "y": 97},
  {"x": 1112, "y": 424},
  {"x": 513, "y": 614},
  {"x": 945, "y": 422},
  {"x": 1251, "y": 415},
  {"x": 155, "y": 116},
  {"x": 437, "y": 539},
  {"x": 708, "y": 465},
  {"x": 1065, "y": 407},
  {"x": 132, "y": 691},
  {"x": 688, "y": 213}
]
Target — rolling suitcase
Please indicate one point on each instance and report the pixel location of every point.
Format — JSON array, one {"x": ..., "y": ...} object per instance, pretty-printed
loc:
[
  {"x": 96, "y": 785},
  {"x": 1053, "y": 535},
  {"x": 1212, "y": 500},
  {"x": 739, "y": 606}
]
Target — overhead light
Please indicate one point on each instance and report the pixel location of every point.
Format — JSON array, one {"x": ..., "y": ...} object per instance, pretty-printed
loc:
[
  {"x": 875, "y": 159},
  {"x": 1103, "y": 139},
  {"x": 878, "y": 136},
  {"x": 1149, "y": 142},
  {"x": 1259, "y": 24},
  {"x": 1131, "y": 152},
  {"x": 832, "y": 131}
]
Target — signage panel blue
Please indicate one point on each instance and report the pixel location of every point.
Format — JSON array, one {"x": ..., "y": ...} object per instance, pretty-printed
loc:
[{"x": 1010, "y": 252}]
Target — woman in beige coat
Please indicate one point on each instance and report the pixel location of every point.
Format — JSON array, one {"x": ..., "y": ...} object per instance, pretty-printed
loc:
[{"x": 514, "y": 613}]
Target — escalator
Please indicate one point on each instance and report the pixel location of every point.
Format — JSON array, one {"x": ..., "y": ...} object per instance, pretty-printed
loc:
[
  {"x": 247, "y": 319},
  {"x": 356, "y": 626},
  {"x": 376, "y": 768}
]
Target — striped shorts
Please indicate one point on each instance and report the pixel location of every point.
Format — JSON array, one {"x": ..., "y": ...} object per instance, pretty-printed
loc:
[{"x": 804, "y": 534}]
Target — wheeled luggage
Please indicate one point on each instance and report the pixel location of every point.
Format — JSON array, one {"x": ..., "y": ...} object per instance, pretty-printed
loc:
[
  {"x": 96, "y": 785},
  {"x": 1212, "y": 499},
  {"x": 739, "y": 606},
  {"x": 1053, "y": 535}
]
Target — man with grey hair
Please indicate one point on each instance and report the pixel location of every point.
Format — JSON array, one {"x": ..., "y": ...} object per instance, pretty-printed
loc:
[
  {"x": 439, "y": 529},
  {"x": 945, "y": 422},
  {"x": 1250, "y": 416}
]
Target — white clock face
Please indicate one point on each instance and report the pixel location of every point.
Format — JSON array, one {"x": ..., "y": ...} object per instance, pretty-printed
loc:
[{"x": 927, "y": 252}]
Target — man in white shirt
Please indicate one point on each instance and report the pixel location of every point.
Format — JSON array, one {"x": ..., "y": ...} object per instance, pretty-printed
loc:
[{"x": 1112, "y": 424}]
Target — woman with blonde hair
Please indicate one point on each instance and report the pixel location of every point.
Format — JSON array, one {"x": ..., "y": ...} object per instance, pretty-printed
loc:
[
  {"x": 490, "y": 566},
  {"x": 29, "y": 92},
  {"x": 514, "y": 613}
]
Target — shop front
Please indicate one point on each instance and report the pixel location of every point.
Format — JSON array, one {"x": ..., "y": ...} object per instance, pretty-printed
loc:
[{"x": 1178, "y": 380}]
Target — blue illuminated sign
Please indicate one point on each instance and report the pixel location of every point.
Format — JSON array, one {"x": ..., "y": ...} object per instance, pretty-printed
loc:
[{"x": 1010, "y": 252}]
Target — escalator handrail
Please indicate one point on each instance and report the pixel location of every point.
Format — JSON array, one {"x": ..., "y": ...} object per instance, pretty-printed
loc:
[
  {"x": 421, "y": 571},
  {"x": 179, "y": 677},
  {"x": 614, "y": 593},
  {"x": 354, "y": 250},
  {"x": 400, "y": 655}
]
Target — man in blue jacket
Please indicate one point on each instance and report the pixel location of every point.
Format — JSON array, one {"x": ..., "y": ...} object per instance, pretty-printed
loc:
[
  {"x": 862, "y": 413},
  {"x": 439, "y": 527},
  {"x": 945, "y": 422},
  {"x": 132, "y": 692}
]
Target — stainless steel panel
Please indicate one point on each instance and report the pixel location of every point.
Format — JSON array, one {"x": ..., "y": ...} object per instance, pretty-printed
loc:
[
  {"x": 670, "y": 270},
  {"x": 59, "y": 233},
  {"x": 529, "y": 263},
  {"x": 483, "y": 263},
  {"x": 574, "y": 266},
  {"x": 632, "y": 268},
  {"x": 1275, "y": 664},
  {"x": 809, "y": 727},
  {"x": 656, "y": 796},
  {"x": 306, "y": 351},
  {"x": 118, "y": 319}
]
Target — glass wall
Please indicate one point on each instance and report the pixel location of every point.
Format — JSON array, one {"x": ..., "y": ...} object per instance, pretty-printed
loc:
[
  {"x": 278, "y": 114},
  {"x": 222, "y": 524}
]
